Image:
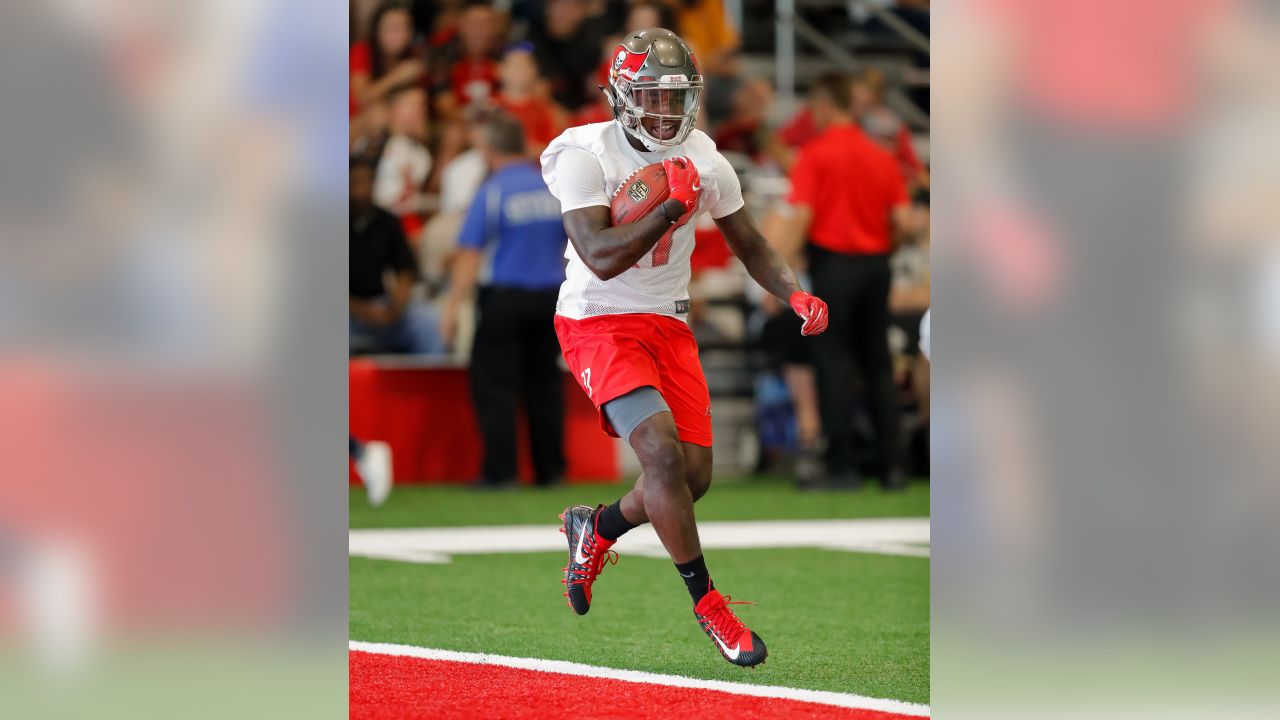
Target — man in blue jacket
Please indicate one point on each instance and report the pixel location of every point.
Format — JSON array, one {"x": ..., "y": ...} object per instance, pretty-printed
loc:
[{"x": 512, "y": 245}]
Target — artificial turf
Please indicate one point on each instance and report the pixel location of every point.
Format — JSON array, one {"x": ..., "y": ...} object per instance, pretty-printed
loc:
[
  {"x": 848, "y": 622},
  {"x": 728, "y": 499}
]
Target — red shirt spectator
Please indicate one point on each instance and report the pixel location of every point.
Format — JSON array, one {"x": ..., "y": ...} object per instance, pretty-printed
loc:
[
  {"x": 521, "y": 98},
  {"x": 473, "y": 79},
  {"x": 465, "y": 65},
  {"x": 360, "y": 62},
  {"x": 852, "y": 187},
  {"x": 592, "y": 113},
  {"x": 537, "y": 118},
  {"x": 800, "y": 130},
  {"x": 885, "y": 128},
  {"x": 388, "y": 59},
  {"x": 905, "y": 151}
]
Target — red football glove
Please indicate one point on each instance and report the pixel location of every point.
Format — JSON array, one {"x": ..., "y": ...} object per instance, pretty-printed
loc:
[
  {"x": 683, "y": 179},
  {"x": 810, "y": 309}
]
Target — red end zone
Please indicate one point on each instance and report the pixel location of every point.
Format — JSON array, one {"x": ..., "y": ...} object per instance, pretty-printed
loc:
[{"x": 391, "y": 686}]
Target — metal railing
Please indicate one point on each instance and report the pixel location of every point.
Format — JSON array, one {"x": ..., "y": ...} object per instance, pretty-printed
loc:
[{"x": 788, "y": 26}]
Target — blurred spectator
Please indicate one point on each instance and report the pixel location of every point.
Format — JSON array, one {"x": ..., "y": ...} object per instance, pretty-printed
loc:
[
  {"x": 746, "y": 131},
  {"x": 567, "y": 46},
  {"x": 519, "y": 98},
  {"x": 463, "y": 175},
  {"x": 465, "y": 70},
  {"x": 647, "y": 14},
  {"x": 405, "y": 161},
  {"x": 360, "y": 19},
  {"x": 849, "y": 198},
  {"x": 640, "y": 15},
  {"x": 791, "y": 356},
  {"x": 459, "y": 181},
  {"x": 388, "y": 59},
  {"x": 706, "y": 27},
  {"x": 383, "y": 319},
  {"x": 908, "y": 302},
  {"x": 595, "y": 111},
  {"x": 885, "y": 126},
  {"x": 784, "y": 145},
  {"x": 513, "y": 242}
]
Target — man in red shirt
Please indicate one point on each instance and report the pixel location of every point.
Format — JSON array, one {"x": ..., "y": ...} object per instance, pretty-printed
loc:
[{"x": 850, "y": 200}]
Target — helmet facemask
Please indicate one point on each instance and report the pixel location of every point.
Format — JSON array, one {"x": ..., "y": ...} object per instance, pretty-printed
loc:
[{"x": 660, "y": 113}]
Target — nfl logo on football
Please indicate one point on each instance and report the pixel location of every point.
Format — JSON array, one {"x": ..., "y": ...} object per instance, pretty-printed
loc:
[{"x": 638, "y": 191}]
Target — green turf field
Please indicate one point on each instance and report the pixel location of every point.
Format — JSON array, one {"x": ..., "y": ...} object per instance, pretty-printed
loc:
[
  {"x": 728, "y": 499},
  {"x": 849, "y": 622}
]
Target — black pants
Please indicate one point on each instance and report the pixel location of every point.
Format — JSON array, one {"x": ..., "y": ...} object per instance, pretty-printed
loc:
[
  {"x": 514, "y": 358},
  {"x": 856, "y": 290}
]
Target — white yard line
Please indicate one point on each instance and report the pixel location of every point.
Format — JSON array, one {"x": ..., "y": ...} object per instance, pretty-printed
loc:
[
  {"x": 847, "y": 700},
  {"x": 886, "y": 536}
]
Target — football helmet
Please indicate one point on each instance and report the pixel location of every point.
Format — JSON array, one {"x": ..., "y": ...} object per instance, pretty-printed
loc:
[{"x": 655, "y": 88}]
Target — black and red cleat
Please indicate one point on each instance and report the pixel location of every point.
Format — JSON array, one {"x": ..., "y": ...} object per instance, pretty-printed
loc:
[
  {"x": 588, "y": 553},
  {"x": 734, "y": 640}
]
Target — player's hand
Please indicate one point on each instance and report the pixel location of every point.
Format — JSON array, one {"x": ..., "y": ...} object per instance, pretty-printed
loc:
[
  {"x": 683, "y": 179},
  {"x": 810, "y": 309}
]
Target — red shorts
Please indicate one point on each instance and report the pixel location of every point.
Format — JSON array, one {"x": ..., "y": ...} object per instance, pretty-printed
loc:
[{"x": 611, "y": 355}]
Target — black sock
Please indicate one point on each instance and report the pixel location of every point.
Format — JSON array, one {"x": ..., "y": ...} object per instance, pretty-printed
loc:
[
  {"x": 696, "y": 578},
  {"x": 611, "y": 525}
]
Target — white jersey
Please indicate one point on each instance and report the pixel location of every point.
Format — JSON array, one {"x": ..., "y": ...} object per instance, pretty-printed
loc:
[{"x": 584, "y": 167}]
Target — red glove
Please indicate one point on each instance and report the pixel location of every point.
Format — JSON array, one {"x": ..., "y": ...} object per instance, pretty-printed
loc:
[
  {"x": 810, "y": 309},
  {"x": 683, "y": 179}
]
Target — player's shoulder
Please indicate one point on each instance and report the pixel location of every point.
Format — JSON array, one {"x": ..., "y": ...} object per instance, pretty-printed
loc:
[{"x": 586, "y": 137}]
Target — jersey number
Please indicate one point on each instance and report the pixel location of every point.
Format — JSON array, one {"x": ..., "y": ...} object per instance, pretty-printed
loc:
[
  {"x": 661, "y": 253},
  {"x": 586, "y": 380}
]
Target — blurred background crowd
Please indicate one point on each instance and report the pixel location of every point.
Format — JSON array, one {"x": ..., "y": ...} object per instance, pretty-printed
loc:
[{"x": 427, "y": 79}]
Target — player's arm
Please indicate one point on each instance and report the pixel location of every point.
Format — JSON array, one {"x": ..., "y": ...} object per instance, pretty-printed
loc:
[
  {"x": 607, "y": 250},
  {"x": 764, "y": 263},
  {"x": 767, "y": 267}
]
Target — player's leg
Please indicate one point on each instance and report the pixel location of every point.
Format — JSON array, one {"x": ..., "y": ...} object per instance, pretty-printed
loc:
[
  {"x": 668, "y": 501},
  {"x": 595, "y": 530},
  {"x": 630, "y": 507},
  {"x": 697, "y": 469},
  {"x": 685, "y": 388},
  {"x": 698, "y": 475},
  {"x": 625, "y": 414}
]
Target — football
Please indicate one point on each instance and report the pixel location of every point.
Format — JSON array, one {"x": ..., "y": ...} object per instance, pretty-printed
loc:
[{"x": 640, "y": 194}]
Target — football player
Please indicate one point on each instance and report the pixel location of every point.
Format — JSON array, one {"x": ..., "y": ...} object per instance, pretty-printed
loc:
[{"x": 621, "y": 313}]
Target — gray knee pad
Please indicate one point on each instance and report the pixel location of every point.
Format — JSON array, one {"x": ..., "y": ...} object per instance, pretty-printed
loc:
[{"x": 625, "y": 413}]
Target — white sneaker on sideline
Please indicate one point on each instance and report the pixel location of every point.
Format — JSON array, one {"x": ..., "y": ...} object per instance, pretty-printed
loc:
[{"x": 375, "y": 470}]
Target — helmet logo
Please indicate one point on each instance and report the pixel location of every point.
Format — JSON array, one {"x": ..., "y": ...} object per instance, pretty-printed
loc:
[
  {"x": 626, "y": 64},
  {"x": 638, "y": 191}
]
